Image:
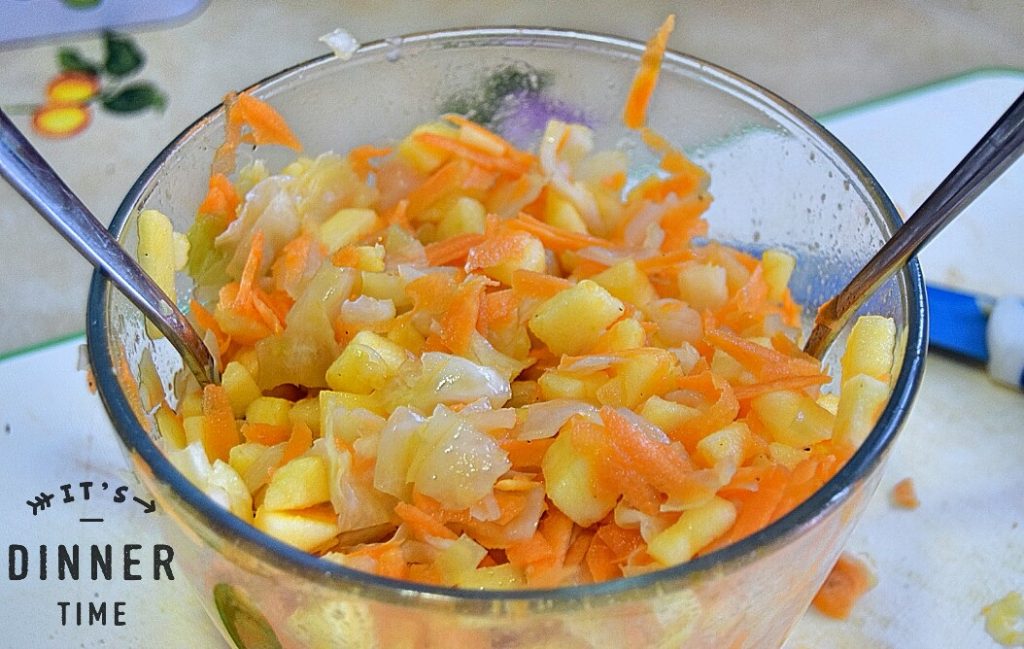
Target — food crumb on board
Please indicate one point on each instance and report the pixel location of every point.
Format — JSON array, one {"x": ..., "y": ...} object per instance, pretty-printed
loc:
[
  {"x": 1004, "y": 620},
  {"x": 904, "y": 495},
  {"x": 849, "y": 580}
]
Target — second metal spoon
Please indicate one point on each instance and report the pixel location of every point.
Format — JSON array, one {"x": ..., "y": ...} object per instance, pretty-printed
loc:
[
  {"x": 989, "y": 158},
  {"x": 27, "y": 171}
]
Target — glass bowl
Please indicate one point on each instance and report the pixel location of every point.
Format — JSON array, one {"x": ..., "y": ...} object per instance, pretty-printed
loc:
[{"x": 779, "y": 180}]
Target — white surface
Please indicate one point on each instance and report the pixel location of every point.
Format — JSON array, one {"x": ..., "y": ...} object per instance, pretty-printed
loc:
[{"x": 936, "y": 566}]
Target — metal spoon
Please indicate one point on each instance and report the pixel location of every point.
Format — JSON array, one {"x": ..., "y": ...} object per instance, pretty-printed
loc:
[
  {"x": 989, "y": 158},
  {"x": 27, "y": 171}
]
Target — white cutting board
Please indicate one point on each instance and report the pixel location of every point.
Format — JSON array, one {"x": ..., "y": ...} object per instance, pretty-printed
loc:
[{"x": 936, "y": 566}]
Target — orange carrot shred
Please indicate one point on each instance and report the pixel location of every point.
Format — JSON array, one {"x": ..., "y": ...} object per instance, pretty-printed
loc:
[
  {"x": 220, "y": 434},
  {"x": 635, "y": 112},
  {"x": 421, "y": 524},
  {"x": 903, "y": 494},
  {"x": 849, "y": 579},
  {"x": 266, "y": 124},
  {"x": 453, "y": 249},
  {"x": 221, "y": 200},
  {"x": 556, "y": 238},
  {"x": 298, "y": 443}
]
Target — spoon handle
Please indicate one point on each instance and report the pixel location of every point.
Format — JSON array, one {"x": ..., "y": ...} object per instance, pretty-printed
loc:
[
  {"x": 989, "y": 158},
  {"x": 27, "y": 171}
]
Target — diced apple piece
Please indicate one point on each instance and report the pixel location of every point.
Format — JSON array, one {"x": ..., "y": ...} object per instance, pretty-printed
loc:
[
  {"x": 243, "y": 456},
  {"x": 386, "y": 286},
  {"x": 240, "y": 386},
  {"x": 570, "y": 484},
  {"x": 366, "y": 363},
  {"x": 465, "y": 215},
  {"x": 694, "y": 529},
  {"x": 703, "y": 286},
  {"x": 727, "y": 445},
  {"x": 347, "y": 226},
  {"x": 860, "y": 402},
  {"x": 529, "y": 255},
  {"x": 424, "y": 157},
  {"x": 307, "y": 529},
  {"x": 786, "y": 455},
  {"x": 268, "y": 410},
  {"x": 170, "y": 426},
  {"x": 194, "y": 427},
  {"x": 298, "y": 484},
  {"x": 156, "y": 256},
  {"x": 556, "y": 385},
  {"x": 777, "y": 267},
  {"x": 667, "y": 415},
  {"x": 625, "y": 334},
  {"x": 574, "y": 319},
  {"x": 627, "y": 282},
  {"x": 870, "y": 349},
  {"x": 306, "y": 411},
  {"x": 563, "y": 214},
  {"x": 641, "y": 375},
  {"x": 793, "y": 418},
  {"x": 459, "y": 560}
]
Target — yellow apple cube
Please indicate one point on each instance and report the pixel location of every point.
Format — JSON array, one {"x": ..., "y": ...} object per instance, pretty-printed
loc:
[
  {"x": 530, "y": 256},
  {"x": 570, "y": 484},
  {"x": 307, "y": 529},
  {"x": 298, "y": 484},
  {"x": 268, "y": 410},
  {"x": 627, "y": 282},
  {"x": 793, "y": 418},
  {"x": 703, "y": 286},
  {"x": 465, "y": 215},
  {"x": 556, "y": 385},
  {"x": 871, "y": 347},
  {"x": 860, "y": 403},
  {"x": 563, "y": 214},
  {"x": 240, "y": 386},
  {"x": 667, "y": 415},
  {"x": 366, "y": 363},
  {"x": 574, "y": 319},
  {"x": 694, "y": 529},
  {"x": 777, "y": 267},
  {"x": 346, "y": 226}
]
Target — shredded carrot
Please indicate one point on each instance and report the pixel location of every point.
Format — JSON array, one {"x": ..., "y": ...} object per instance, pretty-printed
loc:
[
  {"x": 266, "y": 434},
  {"x": 453, "y": 249},
  {"x": 904, "y": 495},
  {"x": 220, "y": 434},
  {"x": 459, "y": 322},
  {"x": 765, "y": 363},
  {"x": 440, "y": 184},
  {"x": 849, "y": 579},
  {"x": 266, "y": 124},
  {"x": 496, "y": 250},
  {"x": 246, "y": 289},
  {"x": 526, "y": 454},
  {"x": 298, "y": 443},
  {"x": 746, "y": 392},
  {"x": 477, "y": 157},
  {"x": 360, "y": 158},
  {"x": 635, "y": 112},
  {"x": 755, "y": 509},
  {"x": 556, "y": 238},
  {"x": 422, "y": 525},
  {"x": 527, "y": 284},
  {"x": 221, "y": 200}
]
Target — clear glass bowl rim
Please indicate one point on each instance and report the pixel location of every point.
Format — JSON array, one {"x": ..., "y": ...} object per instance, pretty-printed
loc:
[{"x": 333, "y": 576}]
